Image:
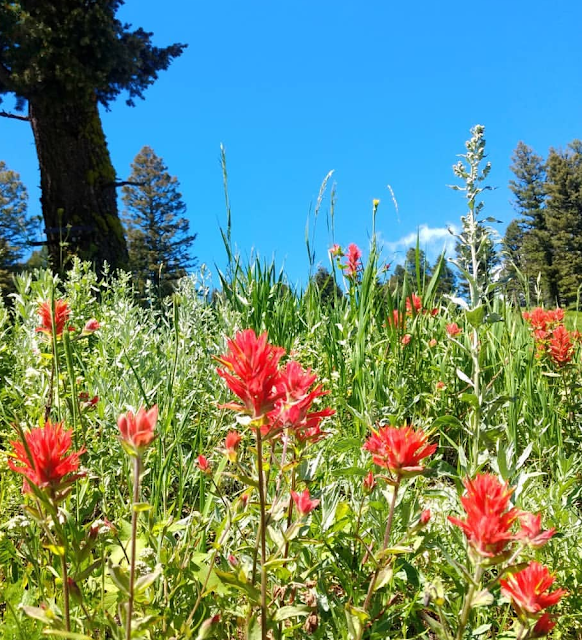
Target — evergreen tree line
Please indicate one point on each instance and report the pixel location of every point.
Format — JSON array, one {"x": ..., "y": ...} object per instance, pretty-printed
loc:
[
  {"x": 156, "y": 230},
  {"x": 543, "y": 246}
]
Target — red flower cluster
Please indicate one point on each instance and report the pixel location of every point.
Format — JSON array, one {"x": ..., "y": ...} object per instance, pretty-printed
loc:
[
  {"x": 489, "y": 522},
  {"x": 453, "y": 329},
  {"x": 399, "y": 449},
  {"x": 551, "y": 337},
  {"x": 231, "y": 445},
  {"x": 414, "y": 306},
  {"x": 303, "y": 502},
  {"x": 528, "y": 590},
  {"x": 137, "y": 431},
  {"x": 353, "y": 261},
  {"x": 61, "y": 317},
  {"x": 252, "y": 373},
  {"x": 276, "y": 398},
  {"x": 46, "y": 464}
]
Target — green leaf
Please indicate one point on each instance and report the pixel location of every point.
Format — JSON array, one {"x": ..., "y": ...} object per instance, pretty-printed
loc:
[
  {"x": 475, "y": 316},
  {"x": 239, "y": 581},
  {"x": 289, "y": 612},
  {"x": 119, "y": 576},
  {"x": 355, "y": 619},
  {"x": 66, "y": 634},
  {"x": 138, "y": 507},
  {"x": 482, "y": 599},
  {"x": 145, "y": 581},
  {"x": 479, "y": 631},
  {"x": 465, "y": 378}
]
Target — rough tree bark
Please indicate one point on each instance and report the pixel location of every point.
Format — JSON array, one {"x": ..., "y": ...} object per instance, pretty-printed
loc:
[{"x": 79, "y": 201}]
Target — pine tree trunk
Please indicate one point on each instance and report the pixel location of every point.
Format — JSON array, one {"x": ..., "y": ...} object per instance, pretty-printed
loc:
[{"x": 79, "y": 200}]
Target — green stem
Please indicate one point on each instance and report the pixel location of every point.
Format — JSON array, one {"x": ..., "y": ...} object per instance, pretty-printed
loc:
[
  {"x": 476, "y": 431},
  {"x": 263, "y": 537},
  {"x": 467, "y": 602},
  {"x": 65, "y": 592},
  {"x": 386, "y": 540},
  {"x": 134, "y": 514}
]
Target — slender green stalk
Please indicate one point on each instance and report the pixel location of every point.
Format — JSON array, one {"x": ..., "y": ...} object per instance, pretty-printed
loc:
[
  {"x": 65, "y": 592},
  {"x": 263, "y": 536},
  {"x": 468, "y": 601},
  {"x": 134, "y": 514},
  {"x": 386, "y": 540}
]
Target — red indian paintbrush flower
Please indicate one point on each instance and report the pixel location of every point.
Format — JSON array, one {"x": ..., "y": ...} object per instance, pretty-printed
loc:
[
  {"x": 292, "y": 411},
  {"x": 353, "y": 262},
  {"x": 399, "y": 449},
  {"x": 45, "y": 311},
  {"x": 414, "y": 302},
  {"x": 531, "y": 530},
  {"x": 203, "y": 464},
  {"x": 528, "y": 590},
  {"x": 453, "y": 329},
  {"x": 543, "y": 626},
  {"x": 489, "y": 521},
  {"x": 251, "y": 372},
  {"x": 46, "y": 464},
  {"x": 231, "y": 445},
  {"x": 303, "y": 502},
  {"x": 542, "y": 320},
  {"x": 137, "y": 431},
  {"x": 560, "y": 346}
]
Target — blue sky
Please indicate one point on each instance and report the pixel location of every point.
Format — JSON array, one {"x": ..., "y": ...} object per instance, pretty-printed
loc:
[{"x": 380, "y": 92}]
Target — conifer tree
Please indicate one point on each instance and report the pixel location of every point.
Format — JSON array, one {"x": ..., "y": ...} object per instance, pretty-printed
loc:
[
  {"x": 329, "y": 291},
  {"x": 158, "y": 234},
  {"x": 564, "y": 218},
  {"x": 529, "y": 189},
  {"x": 16, "y": 228},
  {"x": 61, "y": 60},
  {"x": 513, "y": 262}
]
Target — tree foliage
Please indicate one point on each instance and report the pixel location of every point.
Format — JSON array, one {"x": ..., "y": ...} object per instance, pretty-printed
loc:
[
  {"x": 535, "y": 251},
  {"x": 158, "y": 234},
  {"x": 329, "y": 291},
  {"x": 446, "y": 277},
  {"x": 16, "y": 228},
  {"x": 548, "y": 197},
  {"x": 62, "y": 59}
]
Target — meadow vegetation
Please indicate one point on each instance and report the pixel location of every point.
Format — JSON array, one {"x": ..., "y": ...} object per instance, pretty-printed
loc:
[{"x": 260, "y": 462}]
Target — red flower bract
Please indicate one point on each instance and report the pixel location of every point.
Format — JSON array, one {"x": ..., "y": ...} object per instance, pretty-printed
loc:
[
  {"x": 137, "y": 431},
  {"x": 543, "y": 626},
  {"x": 488, "y": 523},
  {"x": 303, "y": 502},
  {"x": 531, "y": 530},
  {"x": 399, "y": 449},
  {"x": 560, "y": 346},
  {"x": 45, "y": 311},
  {"x": 453, "y": 329},
  {"x": 231, "y": 445},
  {"x": 292, "y": 411},
  {"x": 48, "y": 464},
  {"x": 414, "y": 302},
  {"x": 528, "y": 590},
  {"x": 353, "y": 263},
  {"x": 251, "y": 372}
]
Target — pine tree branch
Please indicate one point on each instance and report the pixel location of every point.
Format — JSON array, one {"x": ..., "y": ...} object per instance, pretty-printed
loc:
[
  {"x": 5, "y": 75},
  {"x": 14, "y": 116},
  {"x": 125, "y": 183}
]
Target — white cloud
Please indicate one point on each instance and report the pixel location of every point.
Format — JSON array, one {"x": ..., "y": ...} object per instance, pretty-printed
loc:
[{"x": 432, "y": 240}]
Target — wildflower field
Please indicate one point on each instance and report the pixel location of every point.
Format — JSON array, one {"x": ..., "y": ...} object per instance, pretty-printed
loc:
[
  {"x": 261, "y": 463},
  {"x": 376, "y": 467}
]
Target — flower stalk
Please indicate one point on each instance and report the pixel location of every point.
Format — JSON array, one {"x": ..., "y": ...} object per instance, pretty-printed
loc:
[{"x": 133, "y": 542}]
